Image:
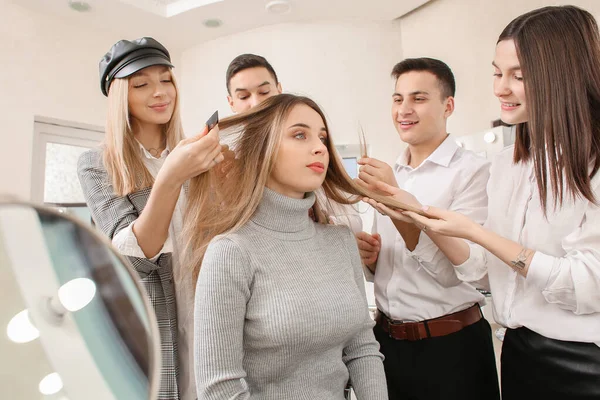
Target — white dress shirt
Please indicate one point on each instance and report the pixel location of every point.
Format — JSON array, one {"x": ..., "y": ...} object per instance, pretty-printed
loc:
[
  {"x": 422, "y": 284},
  {"x": 560, "y": 297},
  {"x": 127, "y": 244}
]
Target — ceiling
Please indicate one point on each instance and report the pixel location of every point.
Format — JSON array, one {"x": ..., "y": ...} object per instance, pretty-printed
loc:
[{"x": 136, "y": 18}]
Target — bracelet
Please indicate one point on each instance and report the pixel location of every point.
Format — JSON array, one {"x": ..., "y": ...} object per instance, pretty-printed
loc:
[{"x": 519, "y": 262}]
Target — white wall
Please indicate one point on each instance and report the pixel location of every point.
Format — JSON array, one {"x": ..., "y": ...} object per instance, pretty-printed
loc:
[
  {"x": 49, "y": 68},
  {"x": 344, "y": 66},
  {"x": 463, "y": 33}
]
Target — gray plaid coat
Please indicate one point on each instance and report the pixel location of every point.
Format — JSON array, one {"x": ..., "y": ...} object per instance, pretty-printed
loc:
[{"x": 111, "y": 213}]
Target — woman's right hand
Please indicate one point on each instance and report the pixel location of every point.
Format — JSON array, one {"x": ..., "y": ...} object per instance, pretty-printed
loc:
[
  {"x": 447, "y": 223},
  {"x": 192, "y": 157}
]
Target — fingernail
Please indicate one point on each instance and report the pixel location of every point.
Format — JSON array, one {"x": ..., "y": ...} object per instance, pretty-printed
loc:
[{"x": 425, "y": 208}]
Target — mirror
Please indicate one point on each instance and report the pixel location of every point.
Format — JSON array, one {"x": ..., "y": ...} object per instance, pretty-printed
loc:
[{"x": 77, "y": 323}]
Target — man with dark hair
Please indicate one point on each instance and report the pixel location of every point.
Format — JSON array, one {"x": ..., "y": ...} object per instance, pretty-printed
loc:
[
  {"x": 436, "y": 343},
  {"x": 250, "y": 79}
]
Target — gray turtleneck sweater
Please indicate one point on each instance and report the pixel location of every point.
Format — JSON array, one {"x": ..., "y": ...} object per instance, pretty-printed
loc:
[{"x": 281, "y": 312}]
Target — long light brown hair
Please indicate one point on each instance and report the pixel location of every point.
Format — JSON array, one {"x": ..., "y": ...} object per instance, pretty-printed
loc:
[
  {"x": 559, "y": 53},
  {"x": 121, "y": 155},
  {"x": 219, "y": 203}
]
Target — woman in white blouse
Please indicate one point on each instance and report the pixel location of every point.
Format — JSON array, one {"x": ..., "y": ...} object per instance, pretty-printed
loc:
[{"x": 541, "y": 242}]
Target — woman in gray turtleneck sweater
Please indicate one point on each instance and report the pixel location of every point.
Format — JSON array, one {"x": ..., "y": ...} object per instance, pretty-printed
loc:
[{"x": 280, "y": 310}]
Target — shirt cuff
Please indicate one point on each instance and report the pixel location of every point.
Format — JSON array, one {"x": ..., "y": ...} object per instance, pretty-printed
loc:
[
  {"x": 475, "y": 267},
  {"x": 539, "y": 270},
  {"x": 126, "y": 243}
]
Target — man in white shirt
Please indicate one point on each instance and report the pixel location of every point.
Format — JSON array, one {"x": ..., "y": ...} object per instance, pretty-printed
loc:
[{"x": 430, "y": 327}]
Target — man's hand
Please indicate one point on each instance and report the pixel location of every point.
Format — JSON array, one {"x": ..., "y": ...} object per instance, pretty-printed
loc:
[
  {"x": 373, "y": 171},
  {"x": 397, "y": 194},
  {"x": 368, "y": 247}
]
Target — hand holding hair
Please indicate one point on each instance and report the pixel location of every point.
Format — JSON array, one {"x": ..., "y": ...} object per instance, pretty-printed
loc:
[
  {"x": 445, "y": 222},
  {"x": 373, "y": 171},
  {"x": 396, "y": 194},
  {"x": 193, "y": 156}
]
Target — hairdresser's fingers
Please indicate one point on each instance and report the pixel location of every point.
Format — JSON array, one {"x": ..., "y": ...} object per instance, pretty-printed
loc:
[
  {"x": 377, "y": 237},
  {"x": 369, "y": 182},
  {"x": 369, "y": 179},
  {"x": 368, "y": 253},
  {"x": 219, "y": 158},
  {"x": 425, "y": 223},
  {"x": 368, "y": 169},
  {"x": 369, "y": 242},
  {"x": 214, "y": 153},
  {"x": 362, "y": 183},
  {"x": 214, "y": 132},
  {"x": 365, "y": 247},
  {"x": 372, "y": 161},
  {"x": 372, "y": 240},
  {"x": 206, "y": 144},
  {"x": 368, "y": 257},
  {"x": 385, "y": 210},
  {"x": 387, "y": 188},
  {"x": 211, "y": 163}
]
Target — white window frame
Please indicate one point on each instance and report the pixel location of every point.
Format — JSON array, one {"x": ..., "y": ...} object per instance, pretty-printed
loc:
[{"x": 51, "y": 130}]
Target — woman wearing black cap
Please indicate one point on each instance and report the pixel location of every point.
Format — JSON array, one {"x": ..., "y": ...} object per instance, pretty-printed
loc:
[{"x": 136, "y": 194}]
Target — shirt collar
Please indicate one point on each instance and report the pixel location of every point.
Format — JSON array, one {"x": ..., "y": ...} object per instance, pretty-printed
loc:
[
  {"x": 442, "y": 155},
  {"x": 147, "y": 154}
]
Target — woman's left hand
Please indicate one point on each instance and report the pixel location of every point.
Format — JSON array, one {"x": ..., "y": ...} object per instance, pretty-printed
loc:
[
  {"x": 445, "y": 222},
  {"x": 397, "y": 194}
]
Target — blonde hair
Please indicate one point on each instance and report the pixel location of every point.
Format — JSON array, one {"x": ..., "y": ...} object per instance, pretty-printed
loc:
[
  {"x": 219, "y": 203},
  {"x": 122, "y": 158}
]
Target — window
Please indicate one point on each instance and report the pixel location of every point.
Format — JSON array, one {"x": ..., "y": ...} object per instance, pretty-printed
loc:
[{"x": 57, "y": 146}]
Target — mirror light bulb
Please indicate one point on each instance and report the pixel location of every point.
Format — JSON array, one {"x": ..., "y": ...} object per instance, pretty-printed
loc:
[
  {"x": 489, "y": 137},
  {"x": 20, "y": 329},
  {"x": 51, "y": 384},
  {"x": 77, "y": 293}
]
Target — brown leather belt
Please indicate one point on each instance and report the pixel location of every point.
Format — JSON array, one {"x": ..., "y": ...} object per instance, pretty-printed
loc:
[{"x": 435, "y": 327}]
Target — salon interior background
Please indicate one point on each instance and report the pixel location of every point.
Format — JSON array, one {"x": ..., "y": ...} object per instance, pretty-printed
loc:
[{"x": 338, "y": 52}]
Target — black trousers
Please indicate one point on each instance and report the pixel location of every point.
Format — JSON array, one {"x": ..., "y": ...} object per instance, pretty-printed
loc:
[
  {"x": 536, "y": 367},
  {"x": 457, "y": 366}
]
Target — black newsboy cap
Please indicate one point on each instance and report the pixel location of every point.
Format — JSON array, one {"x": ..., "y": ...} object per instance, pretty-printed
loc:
[{"x": 127, "y": 57}]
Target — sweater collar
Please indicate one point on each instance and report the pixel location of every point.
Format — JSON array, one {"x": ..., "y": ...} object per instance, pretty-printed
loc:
[{"x": 285, "y": 215}]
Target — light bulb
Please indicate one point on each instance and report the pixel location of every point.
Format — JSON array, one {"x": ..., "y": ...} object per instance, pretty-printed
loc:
[
  {"x": 489, "y": 137},
  {"x": 278, "y": 6},
  {"x": 20, "y": 329},
  {"x": 50, "y": 384},
  {"x": 77, "y": 293}
]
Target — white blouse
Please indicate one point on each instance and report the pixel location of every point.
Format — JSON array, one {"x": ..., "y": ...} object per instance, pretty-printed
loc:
[{"x": 560, "y": 297}]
